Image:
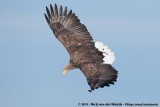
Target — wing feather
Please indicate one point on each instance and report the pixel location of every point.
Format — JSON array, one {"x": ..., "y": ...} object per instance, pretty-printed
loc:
[
  {"x": 60, "y": 11},
  {"x": 68, "y": 24},
  {"x": 52, "y": 12},
  {"x": 47, "y": 18},
  {"x": 65, "y": 11},
  {"x": 99, "y": 75},
  {"x": 56, "y": 10},
  {"x": 48, "y": 13}
]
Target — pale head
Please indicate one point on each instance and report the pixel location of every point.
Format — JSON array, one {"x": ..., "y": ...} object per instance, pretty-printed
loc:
[{"x": 67, "y": 68}]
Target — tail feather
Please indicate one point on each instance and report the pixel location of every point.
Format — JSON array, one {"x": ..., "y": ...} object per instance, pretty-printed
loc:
[{"x": 109, "y": 56}]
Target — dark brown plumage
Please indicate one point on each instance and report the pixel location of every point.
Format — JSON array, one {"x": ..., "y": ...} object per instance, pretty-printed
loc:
[{"x": 79, "y": 44}]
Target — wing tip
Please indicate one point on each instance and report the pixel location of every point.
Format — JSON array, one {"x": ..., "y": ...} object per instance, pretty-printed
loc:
[
  {"x": 55, "y": 5},
  {"x": 51, "y": 6},
  {"x": 46, "y": 18},
  {"x": 108, "y": 77}
]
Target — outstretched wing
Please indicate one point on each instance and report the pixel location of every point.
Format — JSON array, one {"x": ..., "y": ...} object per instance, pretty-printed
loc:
[
  {"x": 75, "y": 37},
  {"x": 99, "y": 75},
  {"x": 68, "y": 29}
]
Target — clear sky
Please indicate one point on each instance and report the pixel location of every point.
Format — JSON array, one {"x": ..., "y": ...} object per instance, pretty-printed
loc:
[{"x": 32, "y": 59}]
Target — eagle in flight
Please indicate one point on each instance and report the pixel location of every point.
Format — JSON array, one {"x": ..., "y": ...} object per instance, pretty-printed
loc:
[{"x": 93, "y": 59}]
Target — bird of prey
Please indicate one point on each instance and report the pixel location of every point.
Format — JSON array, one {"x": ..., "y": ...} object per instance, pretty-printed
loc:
[{"x": 93, "y": 59}]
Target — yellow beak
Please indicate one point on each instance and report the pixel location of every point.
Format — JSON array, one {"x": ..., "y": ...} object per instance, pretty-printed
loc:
[{"x": 64, "y": 72}]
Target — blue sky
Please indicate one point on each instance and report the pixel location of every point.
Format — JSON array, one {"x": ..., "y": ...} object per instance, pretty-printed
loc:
[{"x": 32, "y": 59}]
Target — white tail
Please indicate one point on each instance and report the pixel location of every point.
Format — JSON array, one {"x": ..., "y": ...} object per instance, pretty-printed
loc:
[{"x": 109, "y": 56}]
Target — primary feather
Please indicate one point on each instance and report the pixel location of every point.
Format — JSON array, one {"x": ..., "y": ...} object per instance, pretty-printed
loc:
[{"x": 77, "y": 40}]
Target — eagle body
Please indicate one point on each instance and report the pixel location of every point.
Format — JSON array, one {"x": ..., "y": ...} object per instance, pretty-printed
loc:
[
  {"x": 84, "y": 53},
  {"x": 80, "y": 57}
]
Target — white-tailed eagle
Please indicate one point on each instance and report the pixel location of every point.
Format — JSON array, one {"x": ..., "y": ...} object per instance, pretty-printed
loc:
[{"x": 93, "y": 59}]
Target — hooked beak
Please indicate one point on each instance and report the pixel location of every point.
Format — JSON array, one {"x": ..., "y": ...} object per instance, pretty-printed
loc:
[{"x": 64, "y": 72}]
